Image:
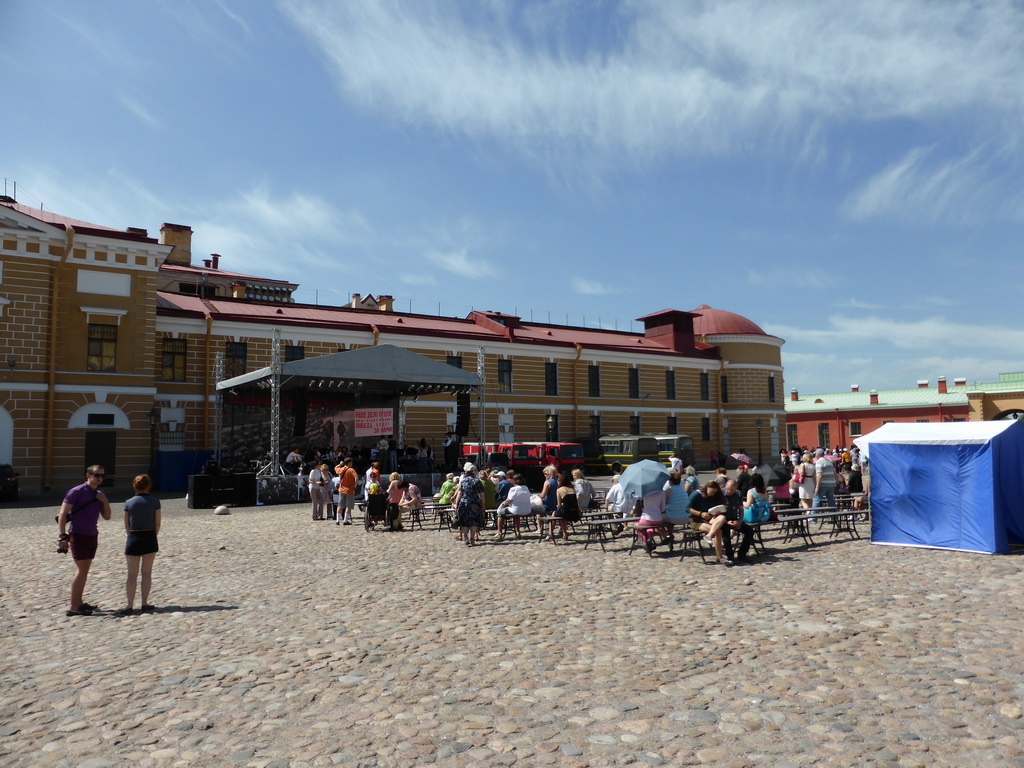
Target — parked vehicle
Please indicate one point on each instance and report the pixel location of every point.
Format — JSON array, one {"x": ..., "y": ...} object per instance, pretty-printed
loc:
[
  {"x": 668, "y": 445},
  {"x": 565, "y": 456},
  {"x": 593, "y": 456},
  {"x": 8, "y": 483},
  {"x": 622, "y": 450},
  {"x": 491, "y": 460},
  {"x": 522, "y": 456}
]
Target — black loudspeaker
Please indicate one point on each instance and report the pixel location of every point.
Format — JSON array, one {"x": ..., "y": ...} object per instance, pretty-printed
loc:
[
  {"x": 200, "y": 491},
  {"x": 245, "y": 489},
  {"x": 462, "y": 414},
  {"x": 299, "y": 401}
]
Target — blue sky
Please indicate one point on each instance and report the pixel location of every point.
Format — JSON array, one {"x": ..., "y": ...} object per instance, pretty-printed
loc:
[{"x": 847, "y": 175}]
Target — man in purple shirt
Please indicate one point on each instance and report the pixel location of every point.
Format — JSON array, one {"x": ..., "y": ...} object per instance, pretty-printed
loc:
[{"x": 77, "y": 520}]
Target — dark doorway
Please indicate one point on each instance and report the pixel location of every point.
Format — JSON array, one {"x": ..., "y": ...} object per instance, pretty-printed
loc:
[{"x": 101, "y": 448}]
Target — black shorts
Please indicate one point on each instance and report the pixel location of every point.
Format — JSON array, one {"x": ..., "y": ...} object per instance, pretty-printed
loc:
[
  {"x": 141, "y": 543},
  {"x": 83, "y": 547}
]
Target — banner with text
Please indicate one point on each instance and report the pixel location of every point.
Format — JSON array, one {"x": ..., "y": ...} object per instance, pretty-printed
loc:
[{"x": 374, "y": 421}]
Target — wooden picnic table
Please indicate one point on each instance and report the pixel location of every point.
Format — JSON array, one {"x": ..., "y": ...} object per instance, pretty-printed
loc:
[{"x": 599, "y": 527}]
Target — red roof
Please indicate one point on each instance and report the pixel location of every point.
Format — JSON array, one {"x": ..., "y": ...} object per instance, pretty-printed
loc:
[
  {"x": 348, "y": 318},
  {"x": 709, "y": 321},
  {"x": 169, "y": 266},
  {"x": 65, "y": 222}
]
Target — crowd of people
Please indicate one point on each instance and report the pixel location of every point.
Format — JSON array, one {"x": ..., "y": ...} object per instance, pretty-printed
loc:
[
  {"x": 719, "y": 509},
  {"x": 414, "y": 457}
]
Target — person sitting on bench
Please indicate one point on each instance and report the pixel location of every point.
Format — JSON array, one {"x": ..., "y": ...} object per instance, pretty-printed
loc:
[
  {"x": 734, "y": 523},
  {"x": 516, "y": 504},
  {"x": 707, "y": 513}
]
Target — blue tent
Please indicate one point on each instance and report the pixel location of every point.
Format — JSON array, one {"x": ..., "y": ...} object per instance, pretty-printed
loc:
[{"x": 949, "y": 486}]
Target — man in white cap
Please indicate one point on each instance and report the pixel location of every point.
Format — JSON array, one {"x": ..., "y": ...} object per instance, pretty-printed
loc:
[{"x": 824, "y": 480}]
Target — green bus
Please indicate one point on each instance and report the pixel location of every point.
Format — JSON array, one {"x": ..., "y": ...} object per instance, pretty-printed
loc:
[
  {"x": 619, "y": 451},
  {"x": 669, "y": 445}
]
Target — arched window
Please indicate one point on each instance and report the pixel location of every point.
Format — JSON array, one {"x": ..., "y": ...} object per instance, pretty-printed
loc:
[{"x": 98, "y": 416}]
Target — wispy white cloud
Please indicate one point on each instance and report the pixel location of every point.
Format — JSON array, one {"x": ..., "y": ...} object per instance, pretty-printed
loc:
[
  {"x": 927, "y": 187},
  {"x": 111, "y": 199},
  {"x": 710, "y": 72},
  {"x": 856, "y": 304},
  {"x": 590, "y": 287},
  {"x": 417, "y": 278},
  {"x": 294, "y": 235},
  {"x": 261, "y": 233},
  {"x": 666, "y": 78},
  {"x": 937, "y": 301},
  {"x": 137, "y": 109},
  {"x": 792, "y": 275},
  {"x": 239, "y": 20},
  {"x": 459, "y": 262},
  {"x": 895, "y": 352},
  {"x": 901, "y": 334}
]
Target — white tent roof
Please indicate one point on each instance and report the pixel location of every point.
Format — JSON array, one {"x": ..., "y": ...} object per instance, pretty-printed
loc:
[{"x": 946, "y": 433}]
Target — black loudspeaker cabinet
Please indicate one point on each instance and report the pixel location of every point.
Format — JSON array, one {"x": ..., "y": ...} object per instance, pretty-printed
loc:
[
  {"x": 200, "y": 489},
  {"x": 245, "y": 489},
  {"x": 462, "y": 414},
  {"x": 209, "y": 491},
  {"x": 299, "y": 403}
]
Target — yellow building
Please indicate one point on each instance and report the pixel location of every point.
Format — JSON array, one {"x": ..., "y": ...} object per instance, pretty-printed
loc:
[
  {"x": 137, "y": 330},
  {"x": 78, "y": 314}
]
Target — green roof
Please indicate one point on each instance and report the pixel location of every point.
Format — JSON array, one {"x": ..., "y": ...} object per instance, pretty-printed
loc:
[{"x": 902, "y": 398}]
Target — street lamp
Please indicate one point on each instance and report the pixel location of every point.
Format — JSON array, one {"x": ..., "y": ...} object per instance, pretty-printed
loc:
[{"x": 759, "y": 424}]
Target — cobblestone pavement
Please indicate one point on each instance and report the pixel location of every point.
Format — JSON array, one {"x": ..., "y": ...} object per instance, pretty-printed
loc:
[{"x": 285, "y": 642}]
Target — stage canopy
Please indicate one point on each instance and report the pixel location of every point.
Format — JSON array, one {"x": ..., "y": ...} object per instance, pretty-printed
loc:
[{"x": 381, "y": 368}]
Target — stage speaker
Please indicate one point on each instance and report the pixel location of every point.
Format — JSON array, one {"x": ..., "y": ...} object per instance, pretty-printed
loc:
[
  {"x": 299, "y": 403},
  {"x": 245, "y": 489},
  {"x": 200, "y": 491},
  {"x": 462, "y": 414}
]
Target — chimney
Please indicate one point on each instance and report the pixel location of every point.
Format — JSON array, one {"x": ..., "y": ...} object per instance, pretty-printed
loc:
[
  {"x": 238, "y": 290},
  {"x": 855, "y": 387},
  {"x": 959, "y": 382},
  {"x": 922, "y": 383},
  {"x": 794, "y": 395},
  {"x": 215, "y": 258},
  {"x": 386, "y": 303},
  {"x": 206, "y": 263},
  {"x": 180, "y": 237},
  {"x": 137, "y": 231},
  {"x": 942, "y": 385},
  {"x": 356, "y": 298},
  {"x": 873, "y": 394}
]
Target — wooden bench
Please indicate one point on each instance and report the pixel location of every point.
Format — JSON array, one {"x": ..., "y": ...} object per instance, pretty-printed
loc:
[
  {"x": 682, "y": 534},
  {"x": 600, "y": 529},
  {"x": 546, "y": 520},
  {"x": 793, "y": 526}
]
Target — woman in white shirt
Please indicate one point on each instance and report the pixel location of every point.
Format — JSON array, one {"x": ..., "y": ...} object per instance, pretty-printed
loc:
[
  {"x": 517, "y": 504},
  {"x": 319, "y": 490},
  {"x": 584, "y": 490},
  {"x": 805, "y": 478}
]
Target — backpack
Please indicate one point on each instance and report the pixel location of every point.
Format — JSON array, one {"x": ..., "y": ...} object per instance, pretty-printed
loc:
[{"x": 758, "y": 512}]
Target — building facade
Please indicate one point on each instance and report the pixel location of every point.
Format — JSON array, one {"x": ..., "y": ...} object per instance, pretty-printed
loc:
[
  {"x": 836, "y": 418},
  {"x": 120, "y": 340},
  {"x": 77, "y": 311}
]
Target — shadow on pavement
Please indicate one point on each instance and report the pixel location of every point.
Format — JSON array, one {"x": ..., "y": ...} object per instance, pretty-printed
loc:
[{"x": 194, "y": 608}]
